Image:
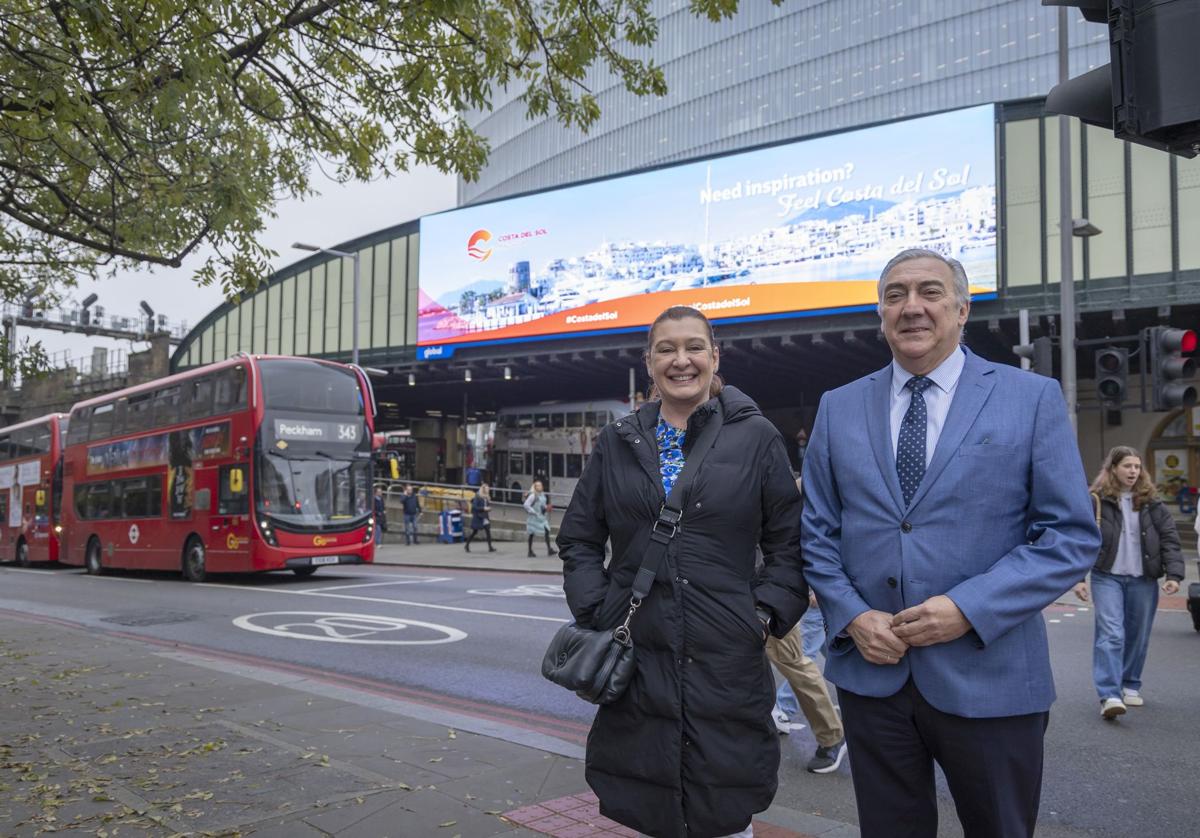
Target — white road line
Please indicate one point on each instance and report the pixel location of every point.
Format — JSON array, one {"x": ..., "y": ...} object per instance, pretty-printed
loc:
[
  {"x": 23, "y": 570},
  {"x": 409, "y": 603},
  {"x": 118, "y": 579},
  {"x": 418, "y": 581}
]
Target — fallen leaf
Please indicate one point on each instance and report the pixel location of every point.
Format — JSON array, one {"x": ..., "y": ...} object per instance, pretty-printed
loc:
[{"x": 446, "y": 824}]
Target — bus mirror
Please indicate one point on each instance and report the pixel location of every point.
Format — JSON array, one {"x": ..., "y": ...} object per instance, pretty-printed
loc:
[
  {"x": 236, "y": 481},
  {"x": 39, "y": 499},
  {"x": 395, "y": 466}
]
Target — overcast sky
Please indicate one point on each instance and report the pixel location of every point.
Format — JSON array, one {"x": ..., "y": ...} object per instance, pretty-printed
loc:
[{"x": 338, "y": 214}]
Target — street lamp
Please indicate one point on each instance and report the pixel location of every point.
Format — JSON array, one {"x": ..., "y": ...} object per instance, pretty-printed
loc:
[{"x": 345, "y": 255}]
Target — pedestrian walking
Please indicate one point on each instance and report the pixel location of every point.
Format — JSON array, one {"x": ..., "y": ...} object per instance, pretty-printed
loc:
[
  {"x": 411, "y": 505},
  {"x": 481, "y": 517},
  {"x": 537, "y": 521},
  {"x": 810, "y": 692},
  {"x": 380, "y": 516},
  {"x": 689, "y": 748},
  {"x": 1139, "y": 545},
  {"x": 945, "y": 506}
]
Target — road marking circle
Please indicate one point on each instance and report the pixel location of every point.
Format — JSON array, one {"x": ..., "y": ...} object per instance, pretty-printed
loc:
[{"x": 337, "y": 627}]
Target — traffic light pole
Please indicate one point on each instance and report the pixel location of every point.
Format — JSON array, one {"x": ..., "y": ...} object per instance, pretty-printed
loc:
[{"x": 1066, "y": 239}]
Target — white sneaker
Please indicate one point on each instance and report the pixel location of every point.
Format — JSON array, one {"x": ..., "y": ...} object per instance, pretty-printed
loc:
[
  {"x": 1133, "y": 698},
  {"x": 782, "y": 722},
  {"x": 1110, "y": 708}
]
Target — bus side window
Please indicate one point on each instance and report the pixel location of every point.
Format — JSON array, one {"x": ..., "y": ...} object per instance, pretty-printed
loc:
[
  {"x": 101, "y": 424},
  {"x": 230, "y": 387},
  {"x": 558, "y": 420},
  {"x": 541, "y": 420},
  {"x": 41, "y": 439},
  {"x": 137, "y": 414},
  {"x": 198, "y": 398},
  {"x": 4, "y": 455},
  {"x": 166, "y": 406},
  {"x": 3, "y": 509},
  {"x": 574, "y": 465},
  {"x": 232, "y": 498},
  {"x": 557, "y": 465},
  {"x": 575, "y": 419},
  {"x": 77, "y": 430}
]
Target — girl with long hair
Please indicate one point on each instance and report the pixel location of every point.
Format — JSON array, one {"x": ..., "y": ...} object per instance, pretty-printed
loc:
[{"x": 1139, "y": 546}]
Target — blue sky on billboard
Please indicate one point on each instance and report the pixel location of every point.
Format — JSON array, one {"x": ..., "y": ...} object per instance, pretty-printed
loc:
[{"x": 822, "y": 210}]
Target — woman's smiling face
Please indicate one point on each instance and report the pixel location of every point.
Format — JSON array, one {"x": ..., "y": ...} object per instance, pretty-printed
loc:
[{"x": 682, "y": 361}]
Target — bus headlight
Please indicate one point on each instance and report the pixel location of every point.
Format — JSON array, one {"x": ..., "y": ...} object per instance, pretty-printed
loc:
[
  {"x": 268, "y": 533},
  {"x": 369, "y": 535},
  {"x": 58, "y": 529}
]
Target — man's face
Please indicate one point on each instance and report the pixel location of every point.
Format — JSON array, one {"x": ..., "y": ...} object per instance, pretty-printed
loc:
[{"x": 922, "y": 317}]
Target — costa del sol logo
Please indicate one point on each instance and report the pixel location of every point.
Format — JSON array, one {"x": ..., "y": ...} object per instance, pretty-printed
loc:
[{"x": 475, "y": 245}]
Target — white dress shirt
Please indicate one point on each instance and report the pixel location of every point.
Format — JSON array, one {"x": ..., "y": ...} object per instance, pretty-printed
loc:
[{"x": 937, "y": 399}]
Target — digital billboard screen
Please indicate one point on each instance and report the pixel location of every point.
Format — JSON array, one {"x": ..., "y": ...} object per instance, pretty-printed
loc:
[{"x": 798, "y": 228}]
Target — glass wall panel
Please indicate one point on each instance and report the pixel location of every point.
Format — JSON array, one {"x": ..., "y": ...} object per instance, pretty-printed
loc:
[
  {"x": 410, "y": 280},
  {"x": 347, "y": 321},
  {"x": 1106, "y": 203},
  {"x": 260, "y": 322},
  {"x": 1053, "y": 253},
  {"x": 320, "y": 289},
  {"x": 379, "y": 296},
  {"x": 1023, "y": 209},
  {"x": 272, "y": 319},
  {"x": 206, "y": 346},
  {"x": 366, "y": 279},
  {"x": 333, "y": 308},
  {"x": 302, "y": 313},
  {"x": 1150, "y": 186},
  {"x": 397, "y": 335},
  {"x": 246, "y": 325},
  {"x": 220, "y": 349},
  {"x": 287, "y": 329},
  {"x": 1189, "y": 213}
]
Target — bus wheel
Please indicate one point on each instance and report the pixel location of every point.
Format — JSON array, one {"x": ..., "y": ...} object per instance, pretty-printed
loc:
[
  {"x": 193, "y": 561},
  {"x": 22, "y": 555},
  {"x": 304, "y": 571},
  {"x": 92, "y": 560}
]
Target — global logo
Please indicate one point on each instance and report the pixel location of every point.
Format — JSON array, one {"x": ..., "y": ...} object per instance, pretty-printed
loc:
[
  {"x": 475, "y": 248},
  {"x": 323, "y": 541}
]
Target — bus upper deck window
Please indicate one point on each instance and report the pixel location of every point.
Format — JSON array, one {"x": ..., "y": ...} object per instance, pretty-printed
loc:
[
  {"x": 524, "y": 421},
  {"x": 541, "y": 420},
  {"x": 575, "y": 419},
  {"x": 558, "y": 420}
]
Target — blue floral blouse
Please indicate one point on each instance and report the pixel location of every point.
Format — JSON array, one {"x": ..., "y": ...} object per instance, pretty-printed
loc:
[{"x": 670, "y": 453}]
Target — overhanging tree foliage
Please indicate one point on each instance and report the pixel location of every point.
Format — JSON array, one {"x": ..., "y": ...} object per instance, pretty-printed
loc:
[{"x": 133, "y": 132}]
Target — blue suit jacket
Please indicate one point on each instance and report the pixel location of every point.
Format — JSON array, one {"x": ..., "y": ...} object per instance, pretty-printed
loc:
[{"x": 1002, "y": 524}]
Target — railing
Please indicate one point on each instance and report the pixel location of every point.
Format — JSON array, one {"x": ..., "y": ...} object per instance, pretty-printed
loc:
[{"x": 438, "y": 497}]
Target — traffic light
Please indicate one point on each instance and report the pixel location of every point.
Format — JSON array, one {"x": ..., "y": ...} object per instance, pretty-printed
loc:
[
  {"x": 1112, "y": 374},
  {"x": 1147, "y": 94},
  {"x": 1040, "y": 353},
  {"x": 1170, "y": 372}
]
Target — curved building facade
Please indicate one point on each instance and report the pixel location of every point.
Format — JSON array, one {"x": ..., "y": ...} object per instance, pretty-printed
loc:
[{"x": 775, "y": 73}]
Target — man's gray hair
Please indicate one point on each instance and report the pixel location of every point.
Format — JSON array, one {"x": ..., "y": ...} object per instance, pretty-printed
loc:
[{"x": 961, "y": 287}]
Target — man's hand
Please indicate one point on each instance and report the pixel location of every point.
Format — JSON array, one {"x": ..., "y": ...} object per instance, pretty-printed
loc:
[
  {"x": 1170, "y": 587},
  {"x": 1081, "y": 591},
  {"x": 936, "y": 620},
  {"x": 877, "y": 643}
]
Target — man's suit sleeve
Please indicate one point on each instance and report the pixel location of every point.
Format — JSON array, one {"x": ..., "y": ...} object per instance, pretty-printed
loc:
[
  {"x": 821, "y": 533},
  {"x": 1062, "y": 539}
]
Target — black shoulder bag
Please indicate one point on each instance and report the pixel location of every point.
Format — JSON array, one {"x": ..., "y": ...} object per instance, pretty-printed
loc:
[{"x": 598, "y": 665}]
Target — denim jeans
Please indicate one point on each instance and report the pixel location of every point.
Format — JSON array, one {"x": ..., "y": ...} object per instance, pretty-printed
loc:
[
  {"x": 812, "y": 627},
  {"x": 410, "y": 528},
  {"x": 1124, "y": 608}
]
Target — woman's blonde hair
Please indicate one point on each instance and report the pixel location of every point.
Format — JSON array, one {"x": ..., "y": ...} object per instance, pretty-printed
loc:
[
  {"x": 1106, "y": 485},
  {"x": 682, "y": 313}
]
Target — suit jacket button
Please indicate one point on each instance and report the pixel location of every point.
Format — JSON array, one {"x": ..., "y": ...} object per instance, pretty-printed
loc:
[
  {"x": 906, "y": 527},
  {"x": 891, "y": 580}
]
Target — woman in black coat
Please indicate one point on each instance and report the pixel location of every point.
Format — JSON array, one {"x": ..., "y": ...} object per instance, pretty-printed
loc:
[
  {"x": 689, "y": 749},
  {"x": 481, "y": 517}
]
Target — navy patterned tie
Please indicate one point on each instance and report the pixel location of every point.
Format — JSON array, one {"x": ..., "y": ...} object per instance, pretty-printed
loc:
[{"x": 910, "y": 449}]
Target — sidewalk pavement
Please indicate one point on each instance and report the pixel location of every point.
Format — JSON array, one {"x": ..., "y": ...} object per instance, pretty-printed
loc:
[
  {"x": 108, "y": 734},
  {"x": 509, "y": 556}
]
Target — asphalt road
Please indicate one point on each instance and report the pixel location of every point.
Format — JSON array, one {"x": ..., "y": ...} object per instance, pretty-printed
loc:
[{"x": 473, "y": 640}]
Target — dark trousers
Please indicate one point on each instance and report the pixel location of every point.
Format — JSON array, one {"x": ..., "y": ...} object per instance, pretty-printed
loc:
[{"x": 992, "y": 766}]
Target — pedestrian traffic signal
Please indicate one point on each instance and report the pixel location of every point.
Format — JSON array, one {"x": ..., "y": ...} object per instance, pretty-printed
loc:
[
  {"x": 1171, "y": 373},
  {"x": 1146, "y": 95},
  {"x": 1112, "y": 374},
  {"x": 1040, "y": 353}
]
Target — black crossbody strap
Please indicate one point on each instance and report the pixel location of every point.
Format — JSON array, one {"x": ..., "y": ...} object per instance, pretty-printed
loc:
[{"x": 671, "y": 515}]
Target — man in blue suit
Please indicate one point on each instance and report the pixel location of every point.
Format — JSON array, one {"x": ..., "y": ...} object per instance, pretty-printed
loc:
[{"x": 945, "y": 507}]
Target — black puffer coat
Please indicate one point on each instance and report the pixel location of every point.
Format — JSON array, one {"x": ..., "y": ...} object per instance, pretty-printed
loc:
[
  {"x": 1161, "y": 554},
  {"x": 690, "y": 748}
]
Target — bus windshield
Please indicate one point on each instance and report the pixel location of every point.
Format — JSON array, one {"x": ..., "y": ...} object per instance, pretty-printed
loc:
[{"x": 314, "y": 460}]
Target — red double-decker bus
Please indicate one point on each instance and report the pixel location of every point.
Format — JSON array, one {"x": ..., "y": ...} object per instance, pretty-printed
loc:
[
  {"x": 251, "y": 464},
  {"x": 31, "y": 489}
]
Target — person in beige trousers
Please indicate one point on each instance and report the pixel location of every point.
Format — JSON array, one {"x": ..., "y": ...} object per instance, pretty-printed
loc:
[{"x": 802, "y": 672}]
